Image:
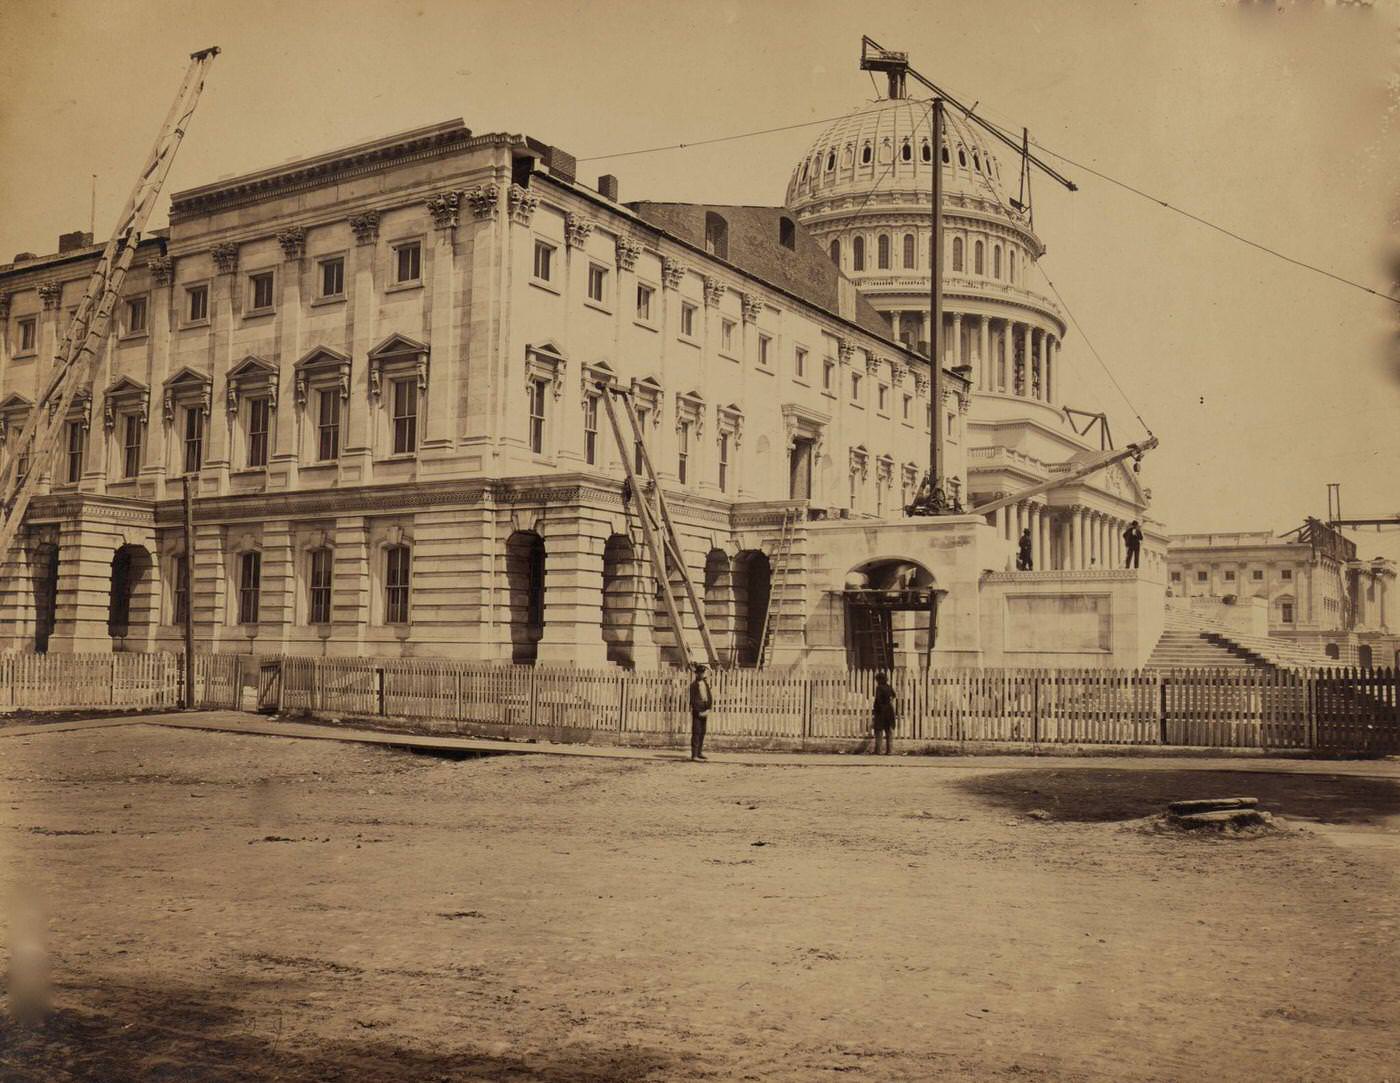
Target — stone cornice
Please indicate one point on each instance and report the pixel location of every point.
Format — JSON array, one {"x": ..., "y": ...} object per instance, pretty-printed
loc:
[{"x": 421, "y": 144}]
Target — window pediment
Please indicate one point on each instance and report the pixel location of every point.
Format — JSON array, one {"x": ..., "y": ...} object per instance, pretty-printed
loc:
[
  {"x": 397, "y": 354},
  {"x": 14, "y": 412},
  {"x": 546, "y": 362},
  {"x": 322, "y": 363},
  {"x": 251, "y": 375},
  {"x": 860, "y": 461},
  {"x": 124, "y": 395},
  {"x": 647, "y": 393},
  {"x": 690, "y": 410},
  {"x": 186, "y": 386},
  {"x": 593, "y": 375},
  {"x": 730, "y": 422}
]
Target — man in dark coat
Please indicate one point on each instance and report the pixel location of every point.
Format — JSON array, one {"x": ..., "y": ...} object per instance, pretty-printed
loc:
[
  {"x": 1132, "y": 542},
  {"x": 1023, "y": 552},
  {"x": 882, "y": 714},
  {"x": 701, "y": 701}
]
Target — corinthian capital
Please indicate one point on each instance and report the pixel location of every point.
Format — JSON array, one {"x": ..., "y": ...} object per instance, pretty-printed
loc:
[
  {"x": 753, "y": 306},
  {"x": 293, "y": 242},
  {"x": 576, "y": 230},
  {"x": 522, "y": 204},
  {"x": 366, "y": 227},
  {"x": 485, "y": 202},
  {"x": 672, "y": 271},
  {"x": 443, "y": 208},
  {"x": 628, "y": 252},
  {"x": 714, "y": 292},
  {"x": 49, "y": 293},
  {"x": 225, "y": 257}
]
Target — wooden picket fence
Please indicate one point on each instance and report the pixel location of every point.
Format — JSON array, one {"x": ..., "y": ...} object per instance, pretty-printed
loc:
[{"x": 1329, "y": 710}]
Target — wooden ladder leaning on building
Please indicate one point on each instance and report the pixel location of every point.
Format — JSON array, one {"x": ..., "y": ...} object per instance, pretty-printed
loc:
[
  {"x": 657, "y": 527},
  {"x": 777, "y": 583},
  {"x": 75, "y": 364}
]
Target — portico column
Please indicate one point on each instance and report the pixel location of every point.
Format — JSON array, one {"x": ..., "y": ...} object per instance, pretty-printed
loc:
[
  {"x": 1049, "y": 386},
  {"x": 1026, "y": 384},
  {"x": 957, "y": 340},
  {"x": 1038, "y": 373},
  {"x": 984, "y": 327},
  {"x": 1037, "y": 548},
  {"x": 1075, "y": 541},
  {"x": 924, "y": 335},
  {"x": 1047, "y": 540}
]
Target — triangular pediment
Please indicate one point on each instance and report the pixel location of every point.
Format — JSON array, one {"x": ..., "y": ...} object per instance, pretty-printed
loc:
[
  {"x": 125, "y": 386},
  {"x": 188, "y": 377},
  {"x": 323, "y": 357},
  {"x": 397, "y": 345},
  {"x": 15, "y": 401},
  {"x": 252, "y": 367}
]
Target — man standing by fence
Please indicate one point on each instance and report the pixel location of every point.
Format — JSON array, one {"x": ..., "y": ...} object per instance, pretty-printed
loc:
[
  {"x": 700, "y": 703},
  {"x": 1132, "y": 542}
]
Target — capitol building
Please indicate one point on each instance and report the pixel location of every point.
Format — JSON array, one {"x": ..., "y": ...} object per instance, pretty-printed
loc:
[{"x": 382, "y": 368}]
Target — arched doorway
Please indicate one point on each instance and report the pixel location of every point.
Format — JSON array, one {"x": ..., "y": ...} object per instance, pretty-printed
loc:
[
  {"x": 891, "y": 613},
  {"x": 1363, "y": 656},
  {"x": 753, "y": 580},
  {"x": 45, "y": 569},
  {"x": 525, "y": 572},
  {"x": 621, "y": 573},
  {"x": 131, "y": 566}
]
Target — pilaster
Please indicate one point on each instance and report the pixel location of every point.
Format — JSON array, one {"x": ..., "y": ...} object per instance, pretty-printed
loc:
[
  {"x": 350, "y": 585},
  {"x": 574, "y": 538}
]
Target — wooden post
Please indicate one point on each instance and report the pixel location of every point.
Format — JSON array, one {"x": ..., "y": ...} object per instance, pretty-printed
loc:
[
  {"x": 935, "y": 304},
  {"x": 1162, "y": 685},
  {"x": 187, "y": 574},
  {"x": 379, "y": 686}
]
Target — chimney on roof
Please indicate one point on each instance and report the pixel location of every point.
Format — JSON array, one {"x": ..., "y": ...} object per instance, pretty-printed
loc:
[
  {"x": 67, "y": 242},
  {"x": 561, "y": 163},
  {"x": 607, "y": 187}
]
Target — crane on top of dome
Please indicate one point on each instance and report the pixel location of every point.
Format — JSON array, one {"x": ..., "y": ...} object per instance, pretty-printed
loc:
[{"x": 938, "y": 495}]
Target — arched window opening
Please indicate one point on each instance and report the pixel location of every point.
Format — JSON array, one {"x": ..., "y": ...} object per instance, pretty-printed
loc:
[
  {"x": 946, "y": 158},
  {"x": 836, "y": 252},
  {"x": 398, "y": 565},
  {"x": 996, "y": 262},
  {"x": 525, "y": 575},
  {"x": 962, "y": 157},
  {"x": 858, "y": 254},
  {"x": 977, "y": 267},
  {"x": 882, "y": 246},
  {"x": 957, "y": 253},
  {"x": 622, "y": 579},
  {"x": 906, "y": 152},
  {"x": 45, "y": 568},
  {"x": 716, "y": 235},
  {"x": 787, "y": 232},
  {"x": 805, "y": 167},
  {"x": 1012, "y": 263},
  {"x": 976, "y": 162},
  {"x": 866, "y": 154},
  {"x": 752, "y": 586},
  {"x": 848, "y": 156},
  {"x": 926, "y": 152},
  {"x": 130, "y": 565},
  {"x": 830, "y": 160},
  {"x": 908, "y": 251}
]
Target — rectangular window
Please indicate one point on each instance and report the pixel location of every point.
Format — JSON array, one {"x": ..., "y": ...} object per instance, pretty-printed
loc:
[
  {"x": 1257, "y": 574},
  {"x": 687, "y": 319},
  {"x": 799, "y": 363},
  {"x": 333, "y": 277},
  {"x": 828, "y": 374},
  {"x": 1176, "y": 577},
  {"x": 405, "y": 417},
  {"x": 28, "y": 334},
  {"x": 724, "y": 462},
  {"x": 328, "y": 424},
  {"x": 1200, "y": 577},
  {"x": 1229, "y": 576},
  {"x": 249, "y": 587},
  {"x": 765, "y": 345},
  {"x": 597, "y": 282},
  {"x": 1287, "y": 573},
  {"x": 855, "y": 387},
  {"x": 1287, "y": 612},
  {"x": 261, "y": 284},
  {"x": 537, "y": 394},
  {"x": 197, "y": 298},
  {"x": 408, "y": 262},
  {"x": 883, "y": 398},
  {"x": 682, "y": 450},
  {"x": 928, "y": 418},
  {"x": 22, "y": 469},
  {"x": 136, "y": 316},
  {"x": 77, "y": 439},
  {"x": 194, "y": 439},
  {"x": 590, "y": 430},
  {"x": 396, "y": 576},
  {"x": 908, "y": 399},
  {"x": 544, "y": 261},
  {"x": 259, "y": 413},
  {"x": 180, "y": 596},
  {"x": 726, "y": 336},
  {"x": 131, "y": 446},
  {"x": 952, "y": 426},
  {"x": 644, "y": 303},
  {"x": 319, "y": 585}
]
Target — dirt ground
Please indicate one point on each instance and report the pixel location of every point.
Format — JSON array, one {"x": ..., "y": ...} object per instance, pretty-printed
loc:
[{"x": 222, "y": 907}]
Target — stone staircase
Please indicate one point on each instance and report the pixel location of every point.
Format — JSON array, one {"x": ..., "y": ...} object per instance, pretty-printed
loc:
[{"x": 1190, "y": 640}]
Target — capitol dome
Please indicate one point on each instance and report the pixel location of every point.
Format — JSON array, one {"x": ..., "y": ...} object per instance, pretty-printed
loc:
[
  {"x": 889, "y": 141},
  {"x": 864, "y": 191}
]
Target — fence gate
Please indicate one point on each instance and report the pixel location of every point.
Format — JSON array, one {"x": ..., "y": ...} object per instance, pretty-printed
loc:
[{"x": 270, "y": 686}]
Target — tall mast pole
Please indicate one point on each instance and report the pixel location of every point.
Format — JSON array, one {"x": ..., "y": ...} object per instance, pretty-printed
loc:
[{"x": 935, "y": 308}]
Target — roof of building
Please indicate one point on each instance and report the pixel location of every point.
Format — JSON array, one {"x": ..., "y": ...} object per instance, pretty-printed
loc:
[
  {"x": 755, "y": 247},
  {"x": 868, "y": 147}
]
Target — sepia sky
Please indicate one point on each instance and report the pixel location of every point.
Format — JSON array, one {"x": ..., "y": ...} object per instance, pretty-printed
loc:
[{"x": 1280, "y": 122}]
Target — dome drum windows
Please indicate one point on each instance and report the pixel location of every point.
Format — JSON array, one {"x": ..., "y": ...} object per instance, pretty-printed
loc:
[
  {"x": 909, "y": 251},
  {"x": 882, "y": 248},
  {"x": 906, "y": 151},
  {"x": 867, "y": 154},
  {"x": 858, "y": 253}
]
